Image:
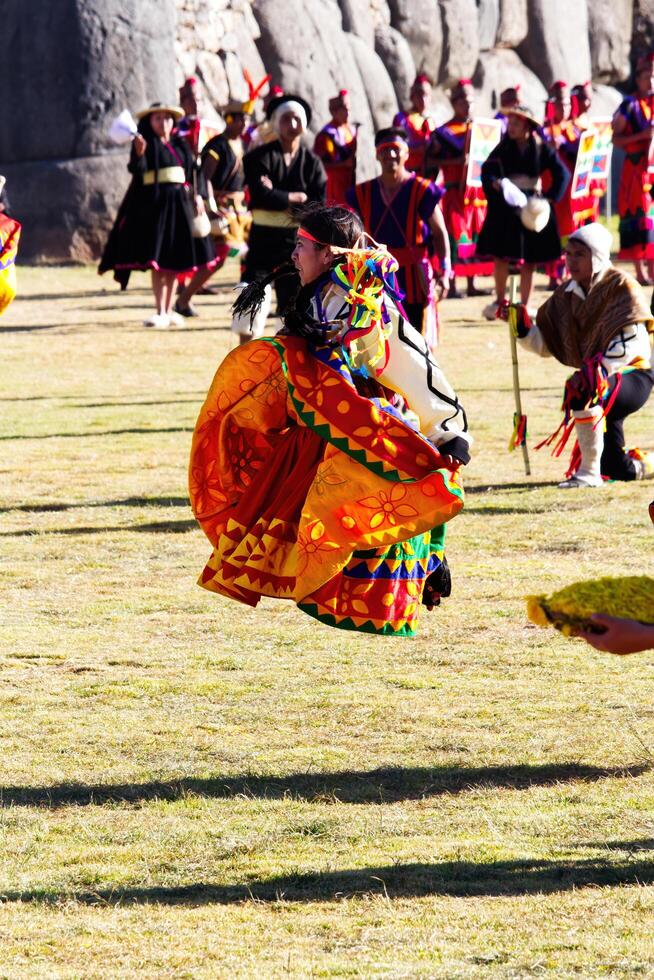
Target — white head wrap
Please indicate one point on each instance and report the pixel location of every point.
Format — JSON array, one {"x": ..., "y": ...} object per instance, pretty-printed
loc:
[
  {"x": 598, "y": 240},
  {"x": 285, "y": 107}
]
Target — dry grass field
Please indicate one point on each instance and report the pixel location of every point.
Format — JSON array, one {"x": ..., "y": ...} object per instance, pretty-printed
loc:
[{"x": 190, "y": 788}]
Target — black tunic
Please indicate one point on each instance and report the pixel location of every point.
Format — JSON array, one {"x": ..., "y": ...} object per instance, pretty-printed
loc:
[
  {"x": 153, "y": 226},
  {"x": 228, "y": 174},
  {"x": 268, "y": 246},
  {"x": 503, "y": 235}
]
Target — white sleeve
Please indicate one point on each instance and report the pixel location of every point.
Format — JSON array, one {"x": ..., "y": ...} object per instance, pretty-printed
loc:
[
  {"x": 412, "y": 372},
  {"x": 534, "y": 342},
  {"x": 632, "y": 344}
]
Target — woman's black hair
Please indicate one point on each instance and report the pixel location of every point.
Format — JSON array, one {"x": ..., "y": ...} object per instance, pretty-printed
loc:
[
  {"x": 329, "y": 225},
  {"x": 154, "y": 146}
]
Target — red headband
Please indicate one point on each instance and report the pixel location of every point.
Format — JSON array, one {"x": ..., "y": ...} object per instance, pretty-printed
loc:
[
  {"x": 396, "y": 142},
  {"x": 303, "y": 233}
]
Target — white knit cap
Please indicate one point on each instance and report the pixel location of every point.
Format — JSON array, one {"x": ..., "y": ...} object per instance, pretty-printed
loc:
[
  {"x": 285, "y": 107},
  {"x": 598, "y": 240}
]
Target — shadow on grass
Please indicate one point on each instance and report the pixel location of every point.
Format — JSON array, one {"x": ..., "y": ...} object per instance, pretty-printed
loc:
[
  {"x": 449, "y": 878},
  {"x": 506, "y": 510},
  {"x": 643, "y": 844},
  {"x": 76, "y": 398},
  {"x": 154, "y": 527},
  {"x": 94, "y": 435},
  {"x": 85, "y": 294},
  {"x": 48, "y": 508},
  {"x": 489, "y": 487},
  {"x": 389, "y": 785},
  {"x": 31, "y": 328},
  {"x": 169, "y": 401}
]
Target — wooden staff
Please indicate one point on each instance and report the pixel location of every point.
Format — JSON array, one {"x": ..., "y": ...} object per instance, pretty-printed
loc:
[{"x": 519, "y": 437}]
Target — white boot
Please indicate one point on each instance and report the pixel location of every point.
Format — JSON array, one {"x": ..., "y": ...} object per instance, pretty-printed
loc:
[
  {"x": 589, "y": 431},
  {"x": 241, "y": 324}
]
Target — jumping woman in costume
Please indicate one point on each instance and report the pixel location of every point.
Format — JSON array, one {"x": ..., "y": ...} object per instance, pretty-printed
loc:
[{"x": 325, "y": 460}]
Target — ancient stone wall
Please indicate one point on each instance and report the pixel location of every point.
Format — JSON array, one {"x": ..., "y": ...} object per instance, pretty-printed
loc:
[{"x": 72, "y": 66}]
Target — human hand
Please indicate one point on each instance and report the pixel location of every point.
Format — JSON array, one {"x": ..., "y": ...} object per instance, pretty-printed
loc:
[
  {"x": 621, "y": 636},
  {"x": 266, "y": 182},
  {"x": 198, "y": 205},
  {"x": 450, "y": 462},
  {"x": 139, "y": 143},
  {"x": 442, "y": 285},
  {"x": 297, "y": 197}
]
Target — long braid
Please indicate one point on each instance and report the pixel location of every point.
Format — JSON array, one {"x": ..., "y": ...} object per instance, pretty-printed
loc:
[{"x": 250, "y": 299}]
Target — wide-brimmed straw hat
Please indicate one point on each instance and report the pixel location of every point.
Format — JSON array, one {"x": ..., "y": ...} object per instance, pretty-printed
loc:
[
  {"x": 535, "y": 214},
  {"x": 524, "y": 112},
  {"x": 175, "y": 111},
  {"x": 235, "y": 107}
]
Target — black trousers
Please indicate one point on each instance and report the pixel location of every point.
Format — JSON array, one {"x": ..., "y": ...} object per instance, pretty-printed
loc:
[
  {"x": 634, "y": 391},
  {"x": 268, "y": 248},
  {"x": 414, "y": 313}
]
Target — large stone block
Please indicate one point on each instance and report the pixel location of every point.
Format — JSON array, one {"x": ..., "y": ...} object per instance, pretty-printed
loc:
[
  {"x": 357, "y": 19},
  {"x": 67, "y": 207},
  {"x": 309, "y": 54},
  {"x": 380, "y": 95},
  {"x": 642, "y": 39},
  {"x": 460, "y": 40},
  {"x": 419, "y": 21},
  {"x": 606, "y": 100},
  {"x": 557, "y": 45},
  {"x": 395, "y": 53},
  {"x": 70, "y": 67},
  {"x": 610, "y": 24},
  {"x": 514, "y": 23},
  {"x": 377, "y": 84},
  {"x": 488, "y": 12},
  {"x": 500, "y": 69}
]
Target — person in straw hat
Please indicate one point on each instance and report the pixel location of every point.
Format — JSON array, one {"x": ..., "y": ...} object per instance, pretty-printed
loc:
[
  {"x": 309, "y": 474},
  {"x": 155, "y": 222},
  {"x": 520, "y": 226},
  {"x": 598, "y": 323}
]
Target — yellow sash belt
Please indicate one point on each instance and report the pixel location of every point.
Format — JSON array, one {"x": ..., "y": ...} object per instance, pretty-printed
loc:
[
  {"x": 273, "y": 219},
  {"x": 167, "y": 175}
]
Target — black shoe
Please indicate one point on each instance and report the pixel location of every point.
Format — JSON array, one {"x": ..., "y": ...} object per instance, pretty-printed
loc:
[
  {"x": 186, "y": 310},
  {"x": 209, "y": 291}
]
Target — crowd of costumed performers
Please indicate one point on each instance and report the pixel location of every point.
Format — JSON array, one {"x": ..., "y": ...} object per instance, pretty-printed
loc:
[
  {"x": 464, "y": 208},
  {"x": 10, "y": 230},
  {"x": 400, "y": 209},
  {"x": 633, "y": 132},
  {"x": 600, "y": 324},
  {"x": 325, "y": 460}
]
